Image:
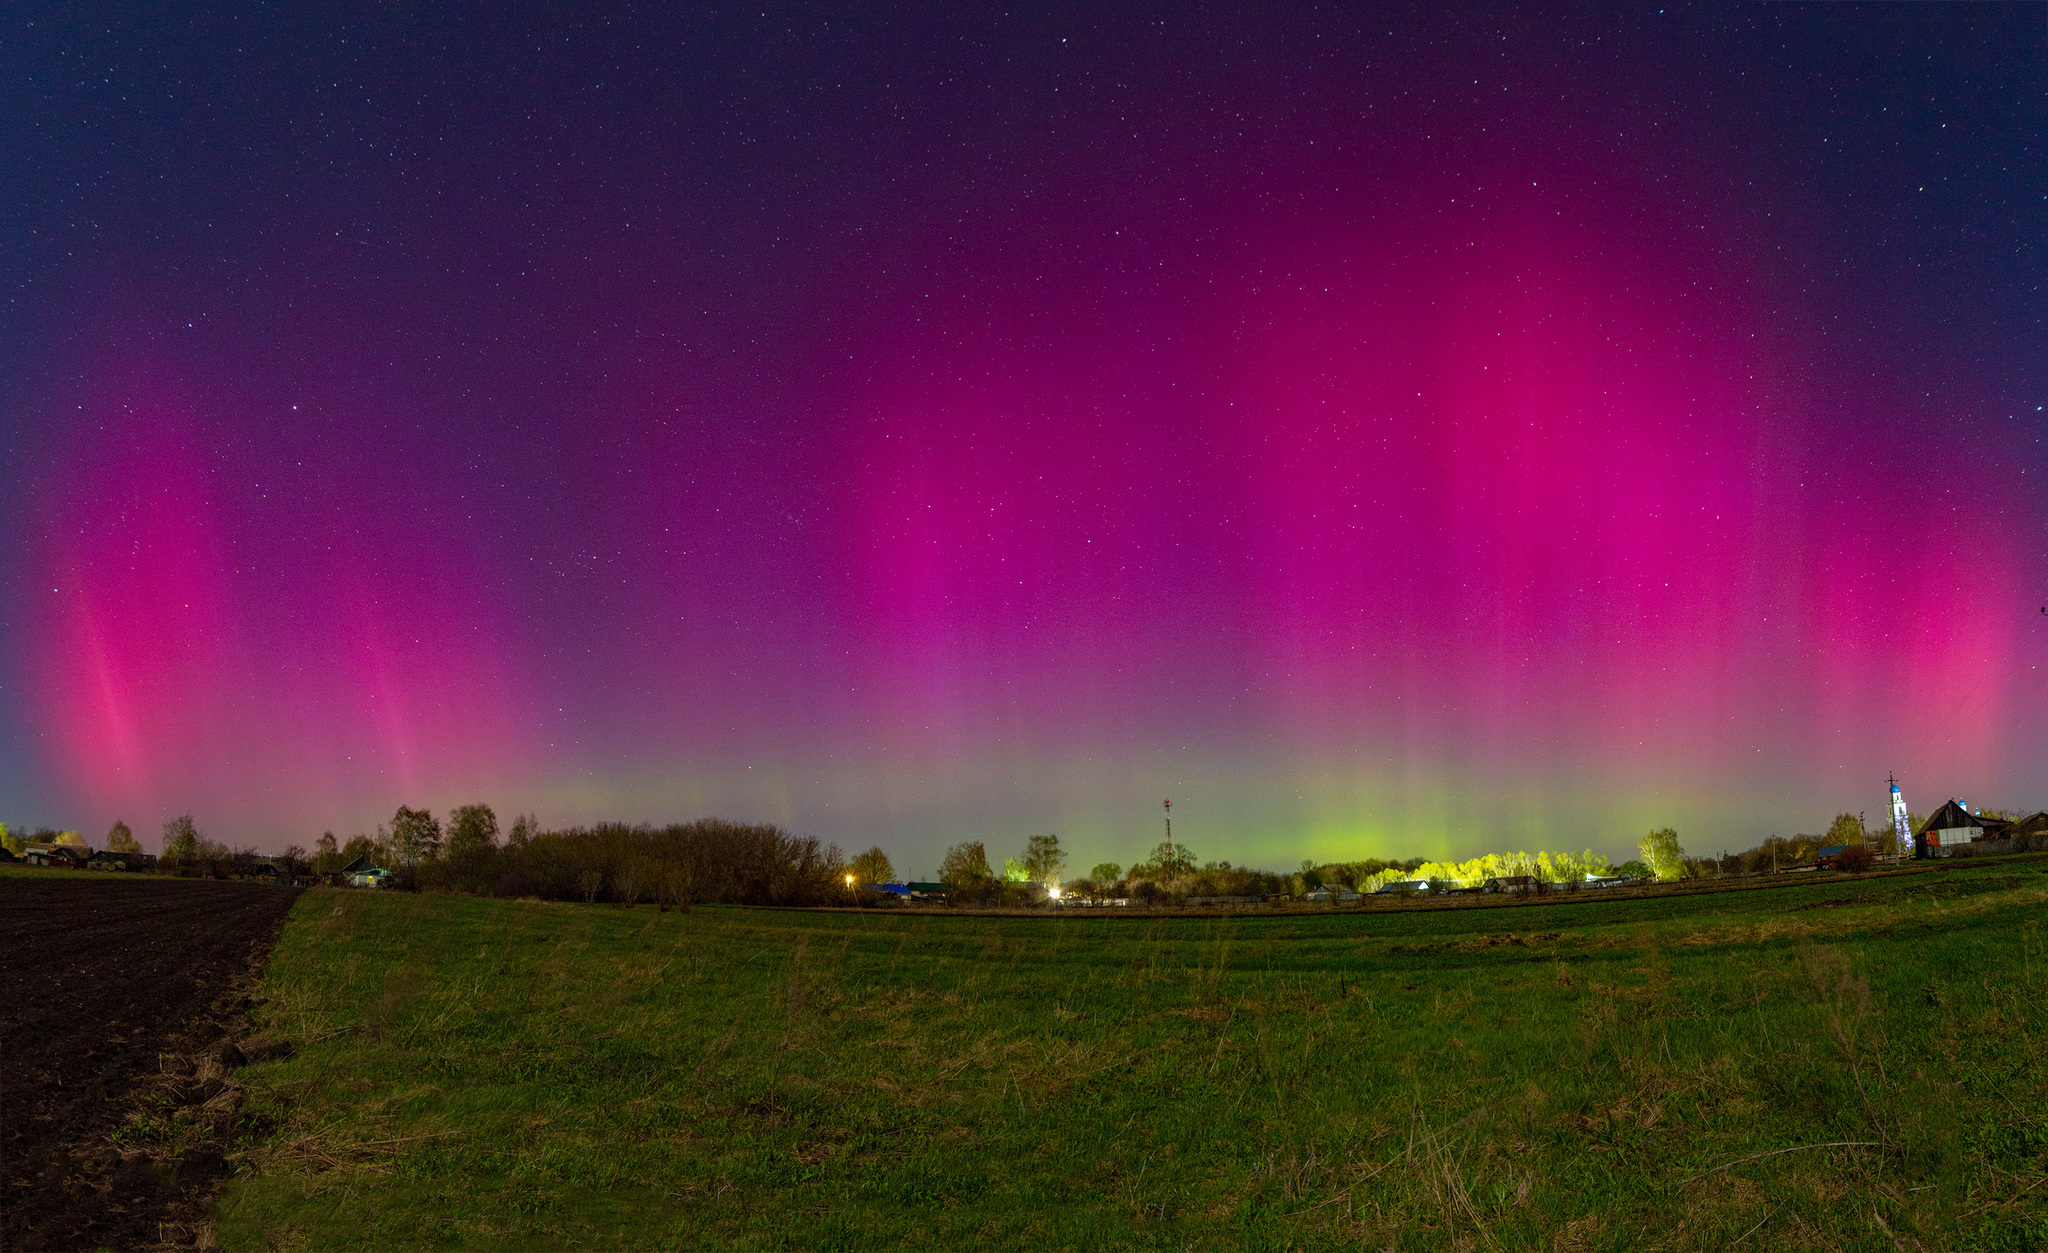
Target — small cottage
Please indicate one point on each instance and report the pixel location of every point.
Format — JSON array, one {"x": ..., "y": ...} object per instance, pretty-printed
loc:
[{"x": 1952, "y": 826}]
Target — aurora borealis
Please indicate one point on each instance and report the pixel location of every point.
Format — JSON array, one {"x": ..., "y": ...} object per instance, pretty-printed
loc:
[{"x": 1420, "y": 435}]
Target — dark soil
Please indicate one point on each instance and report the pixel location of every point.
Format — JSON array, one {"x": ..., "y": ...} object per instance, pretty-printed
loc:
[{"x": 104, "y": 987}]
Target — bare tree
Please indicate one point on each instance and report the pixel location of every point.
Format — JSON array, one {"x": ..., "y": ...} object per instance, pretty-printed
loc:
[{"x": 672, "y": 885}]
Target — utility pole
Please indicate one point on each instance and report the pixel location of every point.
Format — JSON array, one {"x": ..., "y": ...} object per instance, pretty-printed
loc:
[{"x": 1169, "y": 826}]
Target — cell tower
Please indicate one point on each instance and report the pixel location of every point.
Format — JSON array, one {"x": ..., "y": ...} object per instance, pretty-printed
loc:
[{"x": 1902, "y": 826}]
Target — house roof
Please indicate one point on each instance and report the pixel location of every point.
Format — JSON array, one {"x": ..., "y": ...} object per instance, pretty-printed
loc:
[
  {"x": 1954, "y": 815},
  {"x": 360, "y": 865},
  {"x": 2032, "y": 824},
  {"x": 1950, "y": 817}
]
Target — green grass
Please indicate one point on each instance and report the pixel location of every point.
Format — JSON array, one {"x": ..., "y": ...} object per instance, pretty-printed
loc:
[
  {"x": 498, "y": 1074},
  {"x": 17, "y": 870}
]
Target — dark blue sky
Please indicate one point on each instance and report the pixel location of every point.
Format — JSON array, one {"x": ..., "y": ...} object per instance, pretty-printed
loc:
[{"x": 1402, "y": 430}]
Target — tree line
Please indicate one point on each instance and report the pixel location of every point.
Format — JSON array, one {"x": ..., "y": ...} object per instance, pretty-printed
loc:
[
  {"x": 673, "y": 866},
  {"x": 713, "y": 860}
]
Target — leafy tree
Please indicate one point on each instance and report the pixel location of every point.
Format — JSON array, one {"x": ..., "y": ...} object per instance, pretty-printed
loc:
[
  {"x": 11, "y": 843},
  {"x": 326, "y": 853},
  {"x": 71, "y": 838},
  {"x": 1632, "y": 870},
  {"x": 1014, "y": 871},
  {"x": 121, "y": 840},
  {"x": 1855, "y": 859},
  {"x": 872, "y": 867},
  {"x": 1171, "y": 861},
  {"x": 181, "y": 839},
  {"x": 1845, "y": 829},
  {"x": 1107, "y": 872},
  {"x": 1044, "y": 862},
  {"x": 360, "y": 846},
  {"x": 965, "y": 865},
  {"x": 295, "y": 860},
  {"x": 1660, "y": 848},
  {"x": 415, "y": 836},
  {"x": 472, "y": 832}
]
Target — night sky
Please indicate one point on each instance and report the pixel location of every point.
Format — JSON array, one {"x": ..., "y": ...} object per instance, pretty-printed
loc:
[{"x": 1385, "y": 431}]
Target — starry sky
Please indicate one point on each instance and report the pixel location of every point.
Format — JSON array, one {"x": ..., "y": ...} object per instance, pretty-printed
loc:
[{"x": 1386, "y": 430}]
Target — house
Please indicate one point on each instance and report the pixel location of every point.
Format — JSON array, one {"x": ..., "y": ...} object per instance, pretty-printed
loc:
[
  {"x": 107, "y": 859},
  {"x": 361, "y": 874},
  {"x": 1953, "y": 825},
  {"x": 926, "y": 891},
  {"x": 1318, "y": 894},
  {"x": 2033, "y": 826},
  {"x": 1402, "y": 887},
  {"x": 67, "y": 856},
  {"x": 888, "y": 889},
  {"x": 1511, "y": 883}
]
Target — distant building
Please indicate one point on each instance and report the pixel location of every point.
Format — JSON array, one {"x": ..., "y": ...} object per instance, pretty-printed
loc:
[
  {"x": 106, "y": 859},
  {"x": 70, "y": 856},
  {"x": 360, "y": 873},
  {"x": 1402, "y": 887},
  {"x": 1954, "y": 825},
  {"x": 2033, "y": 826}
]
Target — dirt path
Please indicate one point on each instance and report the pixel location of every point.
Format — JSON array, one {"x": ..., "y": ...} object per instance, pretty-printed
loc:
[{"x": 97, "y": 979}]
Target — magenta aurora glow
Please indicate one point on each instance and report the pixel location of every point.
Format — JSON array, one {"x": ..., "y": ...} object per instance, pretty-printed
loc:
[{"x": 1421, "y": 450}]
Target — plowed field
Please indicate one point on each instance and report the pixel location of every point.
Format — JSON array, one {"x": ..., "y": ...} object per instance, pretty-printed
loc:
[{"x": 97, "y": 978}]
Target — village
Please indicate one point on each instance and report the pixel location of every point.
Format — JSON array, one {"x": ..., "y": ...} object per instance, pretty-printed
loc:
[{"x": 1953, "y": 830}]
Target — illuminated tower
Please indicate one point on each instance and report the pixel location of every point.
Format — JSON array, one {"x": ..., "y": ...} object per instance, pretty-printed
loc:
[{"x": 1902, "y": 827}]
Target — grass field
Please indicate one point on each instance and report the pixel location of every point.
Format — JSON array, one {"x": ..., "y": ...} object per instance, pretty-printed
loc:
[
  {"x": 16, "y": 870},
  {"x": 1842, "y": 1064}
]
